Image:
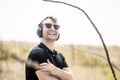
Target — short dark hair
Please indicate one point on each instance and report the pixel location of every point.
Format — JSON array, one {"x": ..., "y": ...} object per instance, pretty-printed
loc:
[{"x": 48, "y": 17}]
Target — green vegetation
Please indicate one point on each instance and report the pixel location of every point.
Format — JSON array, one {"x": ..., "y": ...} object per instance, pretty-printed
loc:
[
  {"x": 85, "y": 64},
  {"x": 86, "y": 59}
]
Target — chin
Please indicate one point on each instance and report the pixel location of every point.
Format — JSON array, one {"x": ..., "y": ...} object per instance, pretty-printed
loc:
[{"x": 52, "y": 38}]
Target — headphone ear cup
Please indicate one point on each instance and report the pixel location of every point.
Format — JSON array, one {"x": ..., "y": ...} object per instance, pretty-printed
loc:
[
  {"x": 58, "y": 37},
  {"x": 40, "y": 31}
]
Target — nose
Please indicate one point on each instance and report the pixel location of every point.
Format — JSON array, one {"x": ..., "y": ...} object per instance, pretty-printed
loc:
[{"x": 52, "y": 27}]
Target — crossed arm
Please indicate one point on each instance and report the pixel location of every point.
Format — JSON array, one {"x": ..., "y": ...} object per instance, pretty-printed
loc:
[{"x": 50, "y": 72}]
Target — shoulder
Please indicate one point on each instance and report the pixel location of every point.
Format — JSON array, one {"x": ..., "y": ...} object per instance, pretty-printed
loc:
[
  {"x": 37, "y": 49},
  {"x": 36, "y": 52}
]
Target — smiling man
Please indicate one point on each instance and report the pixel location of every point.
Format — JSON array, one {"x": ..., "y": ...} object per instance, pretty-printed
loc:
[{"x": 53, "y": 65}]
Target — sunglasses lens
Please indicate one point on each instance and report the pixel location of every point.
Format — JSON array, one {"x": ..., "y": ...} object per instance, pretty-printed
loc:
[
  {"x": 56, "y": 27},
  {"x": 48, "y": 25}
]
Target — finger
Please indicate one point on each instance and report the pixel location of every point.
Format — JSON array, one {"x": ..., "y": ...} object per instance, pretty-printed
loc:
[
  {"x": 48, "y": 61},
  {"x": 43, "y": 67},
  {"x": 43, "y": 64}
]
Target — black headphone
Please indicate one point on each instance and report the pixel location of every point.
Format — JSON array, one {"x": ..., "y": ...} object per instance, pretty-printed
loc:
[{"x": 40, "y": 31}]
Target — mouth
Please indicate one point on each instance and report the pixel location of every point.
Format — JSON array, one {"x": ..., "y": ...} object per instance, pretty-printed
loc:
[{"x": 52, "y": 33}]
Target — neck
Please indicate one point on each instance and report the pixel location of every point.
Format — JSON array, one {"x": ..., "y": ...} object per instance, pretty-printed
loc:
[{"x": 49, "y": 44}]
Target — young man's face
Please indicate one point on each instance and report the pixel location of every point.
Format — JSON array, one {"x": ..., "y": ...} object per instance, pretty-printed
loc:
[{"x": 50, "y": 30}]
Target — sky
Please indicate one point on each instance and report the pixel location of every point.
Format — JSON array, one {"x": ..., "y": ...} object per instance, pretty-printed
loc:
[{"x": 19, "y": 20}]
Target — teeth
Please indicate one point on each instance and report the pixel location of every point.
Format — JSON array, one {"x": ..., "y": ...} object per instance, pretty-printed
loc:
[{"x": 51, "y": 33}]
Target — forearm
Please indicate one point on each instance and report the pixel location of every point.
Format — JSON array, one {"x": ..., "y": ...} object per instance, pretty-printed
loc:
[
  {"x": 44, "y": 76},
  {"x": 63, "y": 74}
]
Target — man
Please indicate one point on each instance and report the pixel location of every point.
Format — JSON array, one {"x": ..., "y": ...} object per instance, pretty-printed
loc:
[{"x": 52, "y": 64}]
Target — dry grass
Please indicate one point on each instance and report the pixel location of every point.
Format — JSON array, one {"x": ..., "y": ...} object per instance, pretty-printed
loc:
[{"x": 85, "y": 61}]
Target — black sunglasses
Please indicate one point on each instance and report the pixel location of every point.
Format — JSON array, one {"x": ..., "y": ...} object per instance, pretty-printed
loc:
[{"x": 49, "y": 25}]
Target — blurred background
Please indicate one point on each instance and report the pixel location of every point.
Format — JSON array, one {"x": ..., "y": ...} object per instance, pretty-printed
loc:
[{"x": 79, "y": 42}]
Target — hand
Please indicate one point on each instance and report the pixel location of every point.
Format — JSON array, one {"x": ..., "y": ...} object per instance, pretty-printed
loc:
[
  {"x": 48, "y": 68},
  {"x": 56, "y": 73}
]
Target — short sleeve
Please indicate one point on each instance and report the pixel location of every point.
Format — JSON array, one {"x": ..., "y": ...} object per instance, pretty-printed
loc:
[{"x": 37, "y": 55}]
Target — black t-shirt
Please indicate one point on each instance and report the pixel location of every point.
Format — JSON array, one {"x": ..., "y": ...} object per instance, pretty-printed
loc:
[{"x": 40, "y": 54}]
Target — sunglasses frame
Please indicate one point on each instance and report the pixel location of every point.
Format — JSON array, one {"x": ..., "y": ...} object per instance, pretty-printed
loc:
[{"x": 49, "y": 25}]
